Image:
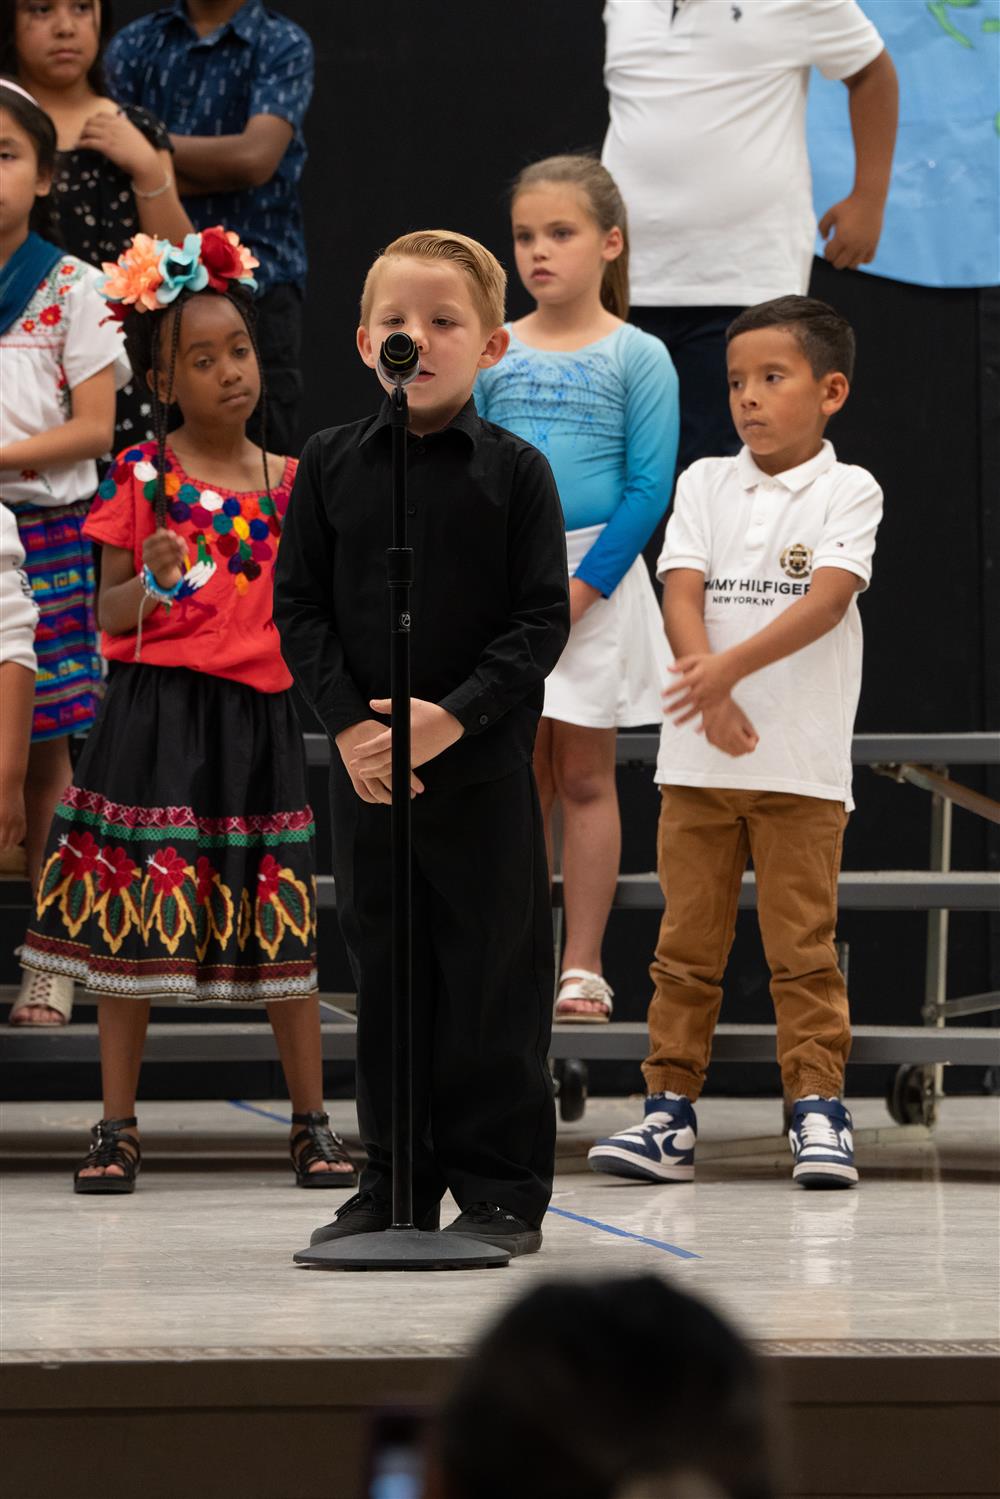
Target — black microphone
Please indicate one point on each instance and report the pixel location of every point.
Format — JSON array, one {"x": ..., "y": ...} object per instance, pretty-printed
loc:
[{"x": 398, "y": 360}]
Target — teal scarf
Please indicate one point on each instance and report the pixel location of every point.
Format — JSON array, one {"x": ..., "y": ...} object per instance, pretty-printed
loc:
[{"x": 21, "y": 277}]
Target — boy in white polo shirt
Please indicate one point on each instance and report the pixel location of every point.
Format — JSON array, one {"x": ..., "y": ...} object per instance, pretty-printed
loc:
[{"x": 763, "y": 558}]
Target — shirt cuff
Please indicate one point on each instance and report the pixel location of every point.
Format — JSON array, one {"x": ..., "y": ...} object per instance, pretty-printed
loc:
[
  {"x": 588, "y": 575},
  {"x": 677, "y": 559},
  {"x": 846, "y": 564},
  {"x": 474, "y": 708},
  {"x": 348, "y": 710}
]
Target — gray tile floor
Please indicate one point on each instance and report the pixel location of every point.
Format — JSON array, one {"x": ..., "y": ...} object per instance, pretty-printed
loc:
[{"x": 198, "y": 1262}]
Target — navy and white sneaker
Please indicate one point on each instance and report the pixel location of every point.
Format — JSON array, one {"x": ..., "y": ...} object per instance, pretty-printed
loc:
[
  {"x": 822, "y": 1143},
  {"x": 660, "y": 1149}
]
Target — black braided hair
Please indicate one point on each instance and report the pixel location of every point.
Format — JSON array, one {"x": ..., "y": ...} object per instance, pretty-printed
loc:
[
  {"x": 249, "y": 322},
  {"x": 161, "y": 408},
  {"x": 143, "y": 343},
  {"x": 38, "y": 127}
]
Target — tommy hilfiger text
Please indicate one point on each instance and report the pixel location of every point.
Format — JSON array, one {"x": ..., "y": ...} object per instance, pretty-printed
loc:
[{"x": 753, "y": 585}]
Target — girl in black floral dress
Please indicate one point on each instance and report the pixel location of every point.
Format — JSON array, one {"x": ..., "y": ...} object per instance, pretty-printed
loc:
[{"x": 114, "y": 173}]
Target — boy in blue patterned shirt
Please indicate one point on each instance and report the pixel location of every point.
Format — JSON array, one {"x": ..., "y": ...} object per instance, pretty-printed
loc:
[{"x": 232, "y": 80}]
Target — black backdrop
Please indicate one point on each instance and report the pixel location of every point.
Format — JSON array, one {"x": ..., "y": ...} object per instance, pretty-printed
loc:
[{"x": 490, "y": 87}]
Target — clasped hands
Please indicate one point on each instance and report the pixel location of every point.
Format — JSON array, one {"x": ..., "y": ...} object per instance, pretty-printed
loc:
[
  {"x": 705, "y": 685},
  {"x": 366, "y": 747}
]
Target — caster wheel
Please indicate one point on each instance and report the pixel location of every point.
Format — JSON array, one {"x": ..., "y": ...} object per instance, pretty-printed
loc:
[
  {"x": 910, "y": 1097},
  {"x": 571, "y": 1089}
]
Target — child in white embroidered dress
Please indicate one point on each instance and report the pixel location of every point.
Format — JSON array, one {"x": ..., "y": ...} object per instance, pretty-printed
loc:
[{"x": 62, "y": 362}]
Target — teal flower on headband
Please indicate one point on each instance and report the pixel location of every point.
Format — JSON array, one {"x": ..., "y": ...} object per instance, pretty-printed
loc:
[
  {"x": 181, "y": 270},
  {"x": 152, "y": 273}
]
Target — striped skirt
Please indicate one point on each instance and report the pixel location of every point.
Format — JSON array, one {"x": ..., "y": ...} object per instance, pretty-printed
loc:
[
  {"x": 181, "y": 859},
  {"x": 59, "y": 563}
]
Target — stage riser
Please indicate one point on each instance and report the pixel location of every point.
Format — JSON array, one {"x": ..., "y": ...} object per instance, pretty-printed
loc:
[{"x": 296, "y": 1428}]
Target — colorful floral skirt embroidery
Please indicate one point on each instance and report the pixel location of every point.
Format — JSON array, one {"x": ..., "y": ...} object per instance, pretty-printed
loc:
[
  {"x": 59, "y": 564},
  {"x": 181, "y": 860}
]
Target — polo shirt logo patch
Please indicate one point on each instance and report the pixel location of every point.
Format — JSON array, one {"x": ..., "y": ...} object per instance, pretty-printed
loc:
[
  {"x": 796, "y": 560},
  {"x": 736, "y": 12}
]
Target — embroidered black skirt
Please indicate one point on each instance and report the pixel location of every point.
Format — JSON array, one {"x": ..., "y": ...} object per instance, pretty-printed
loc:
[{"x": 181, "y": 859}]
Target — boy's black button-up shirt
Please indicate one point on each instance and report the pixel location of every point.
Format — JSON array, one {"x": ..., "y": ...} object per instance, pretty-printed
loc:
[{"x": 489, "y": 604}]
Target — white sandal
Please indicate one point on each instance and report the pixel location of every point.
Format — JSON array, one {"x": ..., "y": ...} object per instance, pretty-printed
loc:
[
  {"x": 579, "y": 983},
  {"x": 41, "y": 991}
]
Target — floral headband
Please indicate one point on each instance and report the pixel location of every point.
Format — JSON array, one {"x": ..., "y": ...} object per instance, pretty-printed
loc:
[{"x": 152, "y": 273}]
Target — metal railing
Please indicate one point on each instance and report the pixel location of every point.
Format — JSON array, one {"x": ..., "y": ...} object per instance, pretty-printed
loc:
[{"x": 918, "y": 759}]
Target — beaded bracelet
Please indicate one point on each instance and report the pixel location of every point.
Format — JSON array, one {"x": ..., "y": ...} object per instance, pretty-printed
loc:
[{"x": 154, "y": 590}]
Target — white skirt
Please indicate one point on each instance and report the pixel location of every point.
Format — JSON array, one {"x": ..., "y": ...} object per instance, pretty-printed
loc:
[{"x": 614, "y": 667}]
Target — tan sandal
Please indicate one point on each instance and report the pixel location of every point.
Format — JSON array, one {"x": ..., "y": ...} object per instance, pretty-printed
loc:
[
  {"x": 577, "y": 984},
  {"x": 42, "y": 991}
]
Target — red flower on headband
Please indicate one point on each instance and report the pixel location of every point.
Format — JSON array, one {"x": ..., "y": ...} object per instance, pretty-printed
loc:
[{"x": 224, "y": 258}]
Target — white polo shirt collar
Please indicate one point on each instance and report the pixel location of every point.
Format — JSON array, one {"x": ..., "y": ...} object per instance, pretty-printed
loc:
[{"x": 792, "y": 479}]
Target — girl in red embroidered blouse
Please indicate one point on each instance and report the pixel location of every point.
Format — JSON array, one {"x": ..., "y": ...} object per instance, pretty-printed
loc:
[{"x": 182, "y": 864}]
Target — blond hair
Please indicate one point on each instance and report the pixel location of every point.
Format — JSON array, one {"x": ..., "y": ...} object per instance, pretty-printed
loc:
[
  {"x": 488, "y": 277},
  {"x": 606, "y": 207}
]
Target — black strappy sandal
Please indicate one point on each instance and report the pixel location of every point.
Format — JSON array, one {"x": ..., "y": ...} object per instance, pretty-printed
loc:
[
  {"x": 110, "y": 1148},
  {"x": 316, "y": 1141}
]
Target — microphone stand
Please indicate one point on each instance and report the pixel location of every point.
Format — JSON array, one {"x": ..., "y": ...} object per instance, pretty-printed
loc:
[{"x": 402, "y": 1246}]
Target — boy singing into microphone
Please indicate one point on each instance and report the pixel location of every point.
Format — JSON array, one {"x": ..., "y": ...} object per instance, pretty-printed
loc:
[{"x": 490, "y": 618}]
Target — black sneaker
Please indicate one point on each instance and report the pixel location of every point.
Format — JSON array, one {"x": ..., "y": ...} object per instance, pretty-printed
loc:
[
  {"x": 365, "y": 1213},
  {"x": 484, "y": 1220}
]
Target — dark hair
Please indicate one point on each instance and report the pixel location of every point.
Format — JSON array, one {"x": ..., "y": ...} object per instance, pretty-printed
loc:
[
  {"x": 605, "y": 204},
  {"x": 9, "y": 62},
  {"x": 42, "y": 133},
  {"x": 143, "y": 343},
  {"x": 825, "y": 338},
  {"x": 677, "y": 1391}
]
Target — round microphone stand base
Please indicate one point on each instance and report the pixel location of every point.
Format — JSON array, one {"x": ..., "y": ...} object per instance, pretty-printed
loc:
[{"x": 404, "y": 1249}]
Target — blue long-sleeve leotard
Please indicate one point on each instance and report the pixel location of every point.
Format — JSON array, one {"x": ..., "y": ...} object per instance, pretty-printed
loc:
[{"x": 607, "y": 418}]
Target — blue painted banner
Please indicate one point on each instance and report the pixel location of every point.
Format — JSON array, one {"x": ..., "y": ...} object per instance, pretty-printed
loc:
[{"x": 942, "y": 223}]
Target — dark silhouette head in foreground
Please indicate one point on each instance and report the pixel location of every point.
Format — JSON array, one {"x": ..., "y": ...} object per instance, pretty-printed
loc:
[{"x": 613, "y": 1389}]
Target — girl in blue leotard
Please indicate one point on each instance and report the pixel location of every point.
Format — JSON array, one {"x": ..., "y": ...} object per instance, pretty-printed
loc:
[{"x": 599, "y": 398}]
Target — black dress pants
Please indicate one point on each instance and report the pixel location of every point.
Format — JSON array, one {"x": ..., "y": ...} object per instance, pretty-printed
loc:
[
  {"x": 696, "y": 339},
  {"x": 483, "y": 1113},
  {"x": 279, "y": 339}
]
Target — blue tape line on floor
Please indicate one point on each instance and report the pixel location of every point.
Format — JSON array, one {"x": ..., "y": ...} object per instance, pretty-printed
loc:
[
  {"x": 252, "y": 1108},
  {"x": 623, "y": 1233},
  {"x": 608, "y": 1228}
]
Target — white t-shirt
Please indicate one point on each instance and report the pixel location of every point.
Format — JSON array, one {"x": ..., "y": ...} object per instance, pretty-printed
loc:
[
  {"x": 707, "y": 140},
  {"x": 65, "y": 335},
  {"x": 18, "y": 610},
  {"x": 758, "y": 540}
]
